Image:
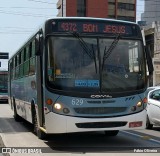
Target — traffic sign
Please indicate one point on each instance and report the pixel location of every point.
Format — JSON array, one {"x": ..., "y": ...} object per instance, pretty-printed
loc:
[{"x": 4, "y": 55}]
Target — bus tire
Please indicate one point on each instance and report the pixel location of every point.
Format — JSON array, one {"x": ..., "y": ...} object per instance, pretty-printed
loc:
[
  {"x": 148, "y": 124},
  {"x": 111, "y": 133},
  {"x": 15, "y": 115},
  {"x": 37, "y": 131}
]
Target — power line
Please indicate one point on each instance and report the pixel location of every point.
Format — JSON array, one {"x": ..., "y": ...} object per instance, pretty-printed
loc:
[
  {"x": 42, "y": 1},
  {"x": 27, "y": 8},
  {"x": 15, "y": 28},
  {"x": 24, "y": 14},
  {"x": 20, "y": 7},
  {"x": 6, "y": 33}
]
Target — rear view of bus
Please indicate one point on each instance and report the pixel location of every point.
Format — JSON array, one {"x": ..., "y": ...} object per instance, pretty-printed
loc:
[{"x": 90, "y": 75}]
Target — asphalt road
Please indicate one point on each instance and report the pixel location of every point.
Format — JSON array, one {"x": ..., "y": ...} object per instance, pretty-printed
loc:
[{"x": 19, "y": 137}]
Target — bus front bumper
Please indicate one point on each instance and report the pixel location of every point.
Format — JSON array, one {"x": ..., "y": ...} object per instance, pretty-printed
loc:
[{"x": 56, "y": 123}]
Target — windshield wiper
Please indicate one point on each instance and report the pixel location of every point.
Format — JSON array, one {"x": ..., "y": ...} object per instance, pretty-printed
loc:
[
  {"x": 108, "y": 52},
  {"x": 87, "y": 50}
]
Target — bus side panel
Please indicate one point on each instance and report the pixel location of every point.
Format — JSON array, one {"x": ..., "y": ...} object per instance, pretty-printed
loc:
[{"x": 24, "y": 91}]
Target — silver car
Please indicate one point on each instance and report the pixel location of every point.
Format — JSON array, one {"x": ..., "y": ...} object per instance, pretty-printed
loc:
[{"x": 153, "y": 108}]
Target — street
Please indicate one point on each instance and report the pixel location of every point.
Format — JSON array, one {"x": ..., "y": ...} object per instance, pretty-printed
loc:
[{"x": 20, "y": 138}]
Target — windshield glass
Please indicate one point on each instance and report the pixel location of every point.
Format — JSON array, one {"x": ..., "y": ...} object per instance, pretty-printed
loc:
[
  {"x": 76, "y": 64},
  {"x": 123, "y": 67},
  {"x": 72, "y": 63}
]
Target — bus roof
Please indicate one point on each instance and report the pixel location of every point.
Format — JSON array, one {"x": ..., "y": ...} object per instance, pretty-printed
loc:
[{"x": 93, "y": 18}]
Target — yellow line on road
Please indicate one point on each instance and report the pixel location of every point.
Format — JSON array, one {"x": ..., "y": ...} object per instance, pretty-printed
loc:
[{"x": 146, "y": 137}]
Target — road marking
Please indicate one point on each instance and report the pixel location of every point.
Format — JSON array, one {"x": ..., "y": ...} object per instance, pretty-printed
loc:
[
  {"x": 146, "y": 137},
  {"x": 143, "y": 137}
]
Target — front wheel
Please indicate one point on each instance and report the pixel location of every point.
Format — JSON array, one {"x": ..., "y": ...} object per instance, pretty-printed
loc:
[
  {"x": 148, "y": 124},
  {"x": 111, "y": 133},
  {"x": 36, "y": 129},
  {"x": 16, "y": 116}
]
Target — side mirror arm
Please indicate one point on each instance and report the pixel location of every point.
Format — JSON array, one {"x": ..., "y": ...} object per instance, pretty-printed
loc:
[
  {"x": 39, "y": 43},
  {"x": 149, "y": 60}
]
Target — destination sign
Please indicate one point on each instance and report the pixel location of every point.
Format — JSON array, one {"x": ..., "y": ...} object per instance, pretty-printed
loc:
[{"x": 95, "y": 27}]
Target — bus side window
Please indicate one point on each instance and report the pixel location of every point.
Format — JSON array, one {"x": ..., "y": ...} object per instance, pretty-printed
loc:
[
  {"x": 26, "y": 61},
  {"x": 17, "y": 67},
  {"x": 32, "y": 58},
  {"x": 11, "y": 68},
  {"x": 21, "y": 57},
  {"x": 14, "y": 67}
]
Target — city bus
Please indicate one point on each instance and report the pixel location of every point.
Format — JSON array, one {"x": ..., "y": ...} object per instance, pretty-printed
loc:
[
  {"x": 81, "y": 75},
  {"x": 3, "y": 86}
]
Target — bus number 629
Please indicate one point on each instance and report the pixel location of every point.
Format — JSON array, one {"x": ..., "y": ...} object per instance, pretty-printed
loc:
[{"x": 77, "y": 102}]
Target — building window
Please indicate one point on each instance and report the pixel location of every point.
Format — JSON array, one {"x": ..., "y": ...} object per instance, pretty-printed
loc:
[
  {"x": 126, "y": 18},
  {"x": 111, "y": 1},
  {"x": 126, "y": 6},
  {"x": 111, "y": 16},
  {"x": 81, "y": 8}
]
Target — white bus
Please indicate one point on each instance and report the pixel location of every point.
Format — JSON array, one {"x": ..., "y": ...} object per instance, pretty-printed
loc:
[{"x": 80, "y": 75}]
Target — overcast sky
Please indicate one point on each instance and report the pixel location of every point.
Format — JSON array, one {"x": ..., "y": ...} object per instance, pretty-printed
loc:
[{"x": 20, "y": 18}]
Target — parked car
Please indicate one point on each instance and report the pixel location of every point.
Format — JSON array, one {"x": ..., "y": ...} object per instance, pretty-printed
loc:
[
  {"x": 153, "y": 108},
  {"x": 151, "y": 88}
]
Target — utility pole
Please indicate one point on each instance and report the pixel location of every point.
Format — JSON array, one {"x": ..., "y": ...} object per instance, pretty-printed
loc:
[{"x": 62, "y": 8}]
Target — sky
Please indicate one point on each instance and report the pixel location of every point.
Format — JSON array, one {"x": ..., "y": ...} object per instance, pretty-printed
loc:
[{"x": 19, "y": 19}]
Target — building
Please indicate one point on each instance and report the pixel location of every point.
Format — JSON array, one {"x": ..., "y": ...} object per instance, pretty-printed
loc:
[
  {"x": 151, "y": 17},
  {"x": 151, "y": 11},
  {"x": 116, "y": 9},
  {"x": 152, "y": 38}
]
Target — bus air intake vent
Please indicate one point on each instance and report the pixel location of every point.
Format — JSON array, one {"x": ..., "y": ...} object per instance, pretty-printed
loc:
[
  {"x": 94, "y": 102},
  {"x": 99, "y": 102},
  {"x": 130, "y": 98},
  {"x": 100, "y": 124},
  {"x": 100, "y": 110}
]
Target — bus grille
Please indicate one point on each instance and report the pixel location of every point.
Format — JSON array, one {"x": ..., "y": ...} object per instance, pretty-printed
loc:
[
  {"x": 100, "y": 124},
  {"x": 100, "y": 110}
]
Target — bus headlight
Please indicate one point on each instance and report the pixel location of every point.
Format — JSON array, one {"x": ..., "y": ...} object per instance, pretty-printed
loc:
[
  {"x": 137, "y": 107},
  {"x": 139, "y": 104},
  {"x": 66, "y": 110},
  {"x": 57, "y": 106},
  {"x": 133, "y": 108}
]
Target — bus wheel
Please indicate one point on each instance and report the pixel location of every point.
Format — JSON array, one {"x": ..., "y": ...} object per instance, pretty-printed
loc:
[
  {"x": 111, "y": 133},
  {"x": 37, "y": 130},
  {"x": 148, "y": 124},
  {"x": 16, "y": 116}
]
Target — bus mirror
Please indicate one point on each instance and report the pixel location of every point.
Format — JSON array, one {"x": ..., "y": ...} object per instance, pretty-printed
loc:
[
  {"x": 38, "y": 44},
  {"x": 37, "y": 47},
  {"x": 149, "y": 60}
]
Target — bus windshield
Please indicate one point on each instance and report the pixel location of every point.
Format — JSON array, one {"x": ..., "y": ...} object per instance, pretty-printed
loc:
[{"x": 86, "y": 64}]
